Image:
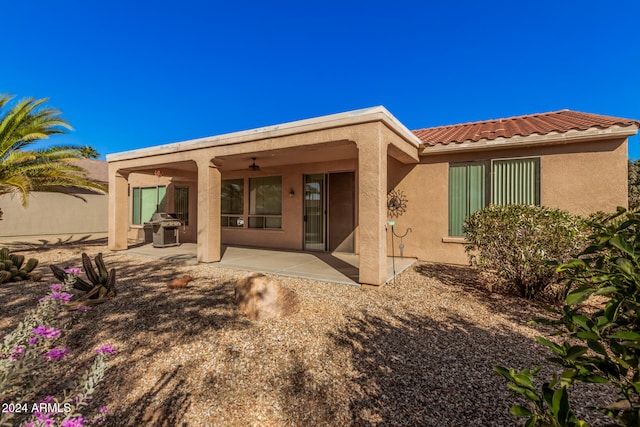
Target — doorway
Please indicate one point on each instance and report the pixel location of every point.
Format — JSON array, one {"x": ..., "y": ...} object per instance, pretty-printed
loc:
[{"x": 329, "y": 211}]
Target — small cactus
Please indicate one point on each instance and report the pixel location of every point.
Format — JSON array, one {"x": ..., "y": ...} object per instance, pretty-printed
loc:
[
  {"x": 31, "y": 264},
  {"x": 101, "y": 284},
  {"x": 17, "y": 260},
  {"x": 11, "y": 269},
  {"x": 5, "y": 276}
]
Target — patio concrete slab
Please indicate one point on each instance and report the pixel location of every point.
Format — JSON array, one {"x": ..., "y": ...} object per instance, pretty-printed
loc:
[{"x": 336, "y": 267}]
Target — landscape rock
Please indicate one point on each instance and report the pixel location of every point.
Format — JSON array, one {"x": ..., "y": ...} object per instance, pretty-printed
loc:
[
  {"x": 262, "y": 298},
  {"x": 180, "y": 283}
]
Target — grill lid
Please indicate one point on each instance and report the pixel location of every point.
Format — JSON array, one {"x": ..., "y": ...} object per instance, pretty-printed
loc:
[{"x": 165, "y": 219}]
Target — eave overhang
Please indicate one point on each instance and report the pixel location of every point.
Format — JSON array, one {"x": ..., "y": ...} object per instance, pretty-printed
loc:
[{"x": 356, "y": 117}]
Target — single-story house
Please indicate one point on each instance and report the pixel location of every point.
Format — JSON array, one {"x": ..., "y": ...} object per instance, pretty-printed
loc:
[
  {"x": 333, "y": 183},
  {"x": 51, "y": 216}
]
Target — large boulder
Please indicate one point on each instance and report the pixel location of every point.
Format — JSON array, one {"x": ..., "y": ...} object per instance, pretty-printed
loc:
[{"x": 262, "y": 298}]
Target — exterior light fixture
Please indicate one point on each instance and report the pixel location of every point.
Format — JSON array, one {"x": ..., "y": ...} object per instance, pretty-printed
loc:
[{"x": 291, "y": 193}]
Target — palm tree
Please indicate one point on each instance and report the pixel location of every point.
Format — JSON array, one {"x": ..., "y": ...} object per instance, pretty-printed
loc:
[
  {"x": 89, "y": 152},
  {"x": 47, "y": 169}
]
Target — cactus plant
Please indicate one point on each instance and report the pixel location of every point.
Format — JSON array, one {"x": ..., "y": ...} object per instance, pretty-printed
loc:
[
  {"x": 101, "y": 284},
  {"x": 5, "y": 276},
  {"x": 11, "y": 267}
]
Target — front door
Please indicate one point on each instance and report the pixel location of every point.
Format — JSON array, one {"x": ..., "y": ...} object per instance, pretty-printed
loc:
[{"x": 314, "y": 212}]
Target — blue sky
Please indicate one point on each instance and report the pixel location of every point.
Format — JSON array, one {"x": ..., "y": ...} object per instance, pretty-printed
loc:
[{"x": 132, "y": 74}]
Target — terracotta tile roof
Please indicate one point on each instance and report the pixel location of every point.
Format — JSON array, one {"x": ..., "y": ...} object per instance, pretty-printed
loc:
[{"x": 541, "y": 124}]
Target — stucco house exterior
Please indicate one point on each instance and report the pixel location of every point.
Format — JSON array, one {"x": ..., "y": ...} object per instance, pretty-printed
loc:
[
  {"x": 332, "y": 183},
  {"x": 52, "y": 216}
]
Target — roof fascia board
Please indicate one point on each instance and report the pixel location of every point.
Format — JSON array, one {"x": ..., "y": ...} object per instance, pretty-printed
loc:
[
  {"x": 365, "y": 115},
  {"x": 570, "y": 136}
]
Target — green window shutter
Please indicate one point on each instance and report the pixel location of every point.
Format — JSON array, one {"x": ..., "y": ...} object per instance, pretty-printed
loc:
[
  {"x": 516, "y": 181},
  {"x": 148, "y": 204},
  {"x": 467, "y": 193},
  {"x": 477, "y": 187},
  {"x": 146, "y": 201},
  {"x": 162, "y": 201},
  {"x": 457, "y": 198},
  {"x": 136, "y": 207}
]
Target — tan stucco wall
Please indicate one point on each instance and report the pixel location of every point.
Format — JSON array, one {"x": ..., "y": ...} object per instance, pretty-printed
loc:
[
  {"x": 579, "y": 177},
  {"x": 49, "y": 214},
  {"x": 595, "y": 179}
]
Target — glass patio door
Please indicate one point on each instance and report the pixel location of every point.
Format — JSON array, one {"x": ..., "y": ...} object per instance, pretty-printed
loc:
[{"x": 314, "y": 212}]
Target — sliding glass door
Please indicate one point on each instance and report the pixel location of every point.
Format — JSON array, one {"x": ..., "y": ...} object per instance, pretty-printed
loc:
[{"x": 314, "y": 212}]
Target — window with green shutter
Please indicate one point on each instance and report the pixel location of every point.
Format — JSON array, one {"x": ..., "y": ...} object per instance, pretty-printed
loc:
[
  {"x": 472, "y": 187},
  {"x": 468, "y": 192},
  {"x": 516, "y": 181},
  {"x": 146, "y": 201}
]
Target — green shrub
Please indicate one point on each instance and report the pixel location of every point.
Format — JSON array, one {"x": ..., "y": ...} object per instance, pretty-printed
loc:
[
  {"x": 600, "y": 347},
  {"x": 516, "y": 242}
]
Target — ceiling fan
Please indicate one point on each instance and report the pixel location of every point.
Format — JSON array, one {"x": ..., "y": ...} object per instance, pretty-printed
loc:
[{"x": 253, "y": 167}]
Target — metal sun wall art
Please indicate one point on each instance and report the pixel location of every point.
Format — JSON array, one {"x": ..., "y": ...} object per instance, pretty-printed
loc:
[{"x": 396, "y": 203}]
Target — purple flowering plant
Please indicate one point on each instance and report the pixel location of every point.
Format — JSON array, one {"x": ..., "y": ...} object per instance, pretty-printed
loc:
[
  {"x": 106, "y": 349},
  {"x": 30, "y": 348},
  {"x": 46, "y": 332},
  {"x": 55, "y": 354},
  {"x": 62, "y": 296},
  {"x": 74, "y": 271}
]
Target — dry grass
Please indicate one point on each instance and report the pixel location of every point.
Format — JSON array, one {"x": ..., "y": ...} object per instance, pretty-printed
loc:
[{"x": 418, "y": 351}]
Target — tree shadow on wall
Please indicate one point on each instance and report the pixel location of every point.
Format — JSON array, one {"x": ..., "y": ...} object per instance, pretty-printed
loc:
[{"x": 42, "y": 244}]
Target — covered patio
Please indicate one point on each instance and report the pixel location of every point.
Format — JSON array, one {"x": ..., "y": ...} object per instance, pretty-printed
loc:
[
  {"x": 336, "y": 267},
  {"x": 313, "y": 185}
]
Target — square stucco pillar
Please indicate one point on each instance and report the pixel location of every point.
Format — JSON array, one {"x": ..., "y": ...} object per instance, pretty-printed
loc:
[
  {"x": 118, "y": 211},
  {"x": 208, "y": 249},
  {"x": 372, "y": 209}
]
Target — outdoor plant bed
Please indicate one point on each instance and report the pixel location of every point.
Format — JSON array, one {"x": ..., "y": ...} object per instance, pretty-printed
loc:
[{"x": 418, "y": 351}]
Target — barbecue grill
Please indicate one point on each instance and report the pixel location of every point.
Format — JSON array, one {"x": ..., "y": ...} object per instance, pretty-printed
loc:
[{"x": 164, "y": 228}]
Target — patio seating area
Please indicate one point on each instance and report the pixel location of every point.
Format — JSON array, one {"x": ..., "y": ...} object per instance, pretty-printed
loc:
[{"x": 335, "y": 267}]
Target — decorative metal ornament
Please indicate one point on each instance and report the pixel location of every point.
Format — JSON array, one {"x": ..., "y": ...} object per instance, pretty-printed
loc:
[{"x": 396, "y": 203}]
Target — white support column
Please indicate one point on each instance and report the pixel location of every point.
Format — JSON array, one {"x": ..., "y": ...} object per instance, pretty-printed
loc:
[
  {"x": 118, "y": 210},
  {"x": 372, "y": 209},
  {"x": 208, "y": 249}
]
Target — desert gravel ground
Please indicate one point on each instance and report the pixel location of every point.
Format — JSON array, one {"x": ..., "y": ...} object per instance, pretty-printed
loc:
[{"x": 417, "y": 352}]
